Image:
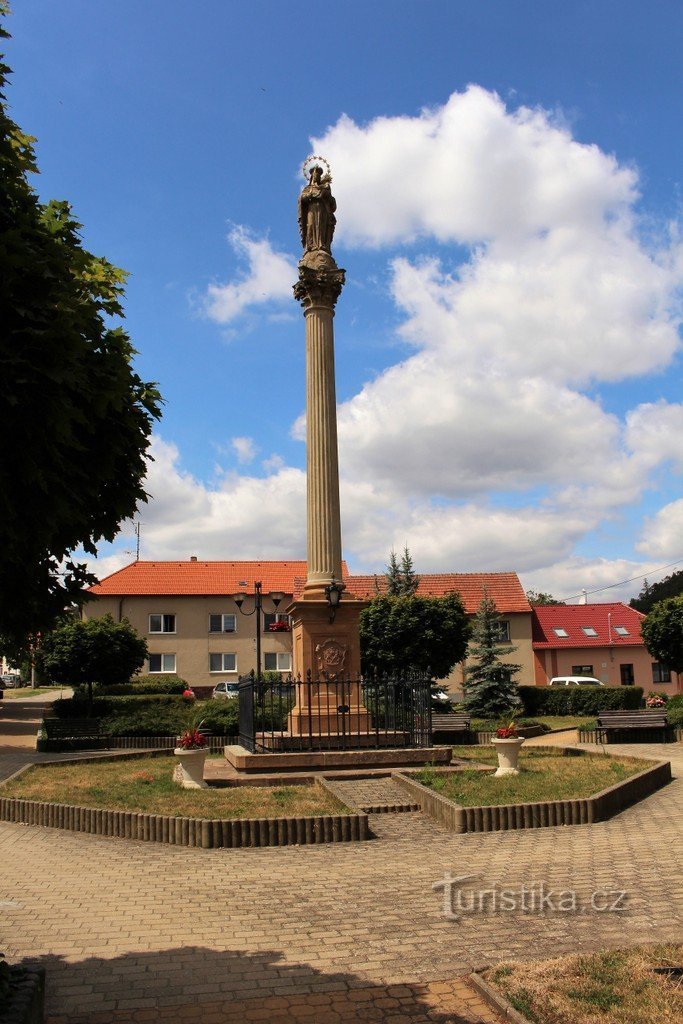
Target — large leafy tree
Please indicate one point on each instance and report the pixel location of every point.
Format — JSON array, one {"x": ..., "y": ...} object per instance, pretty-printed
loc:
[
  {"x": 77, "y": 418},
  {"x": 541, "y": 597},
  {"x": 80, "y": 652},
  {"x": 490, "y": 687},
  {"x": 662, "y": 631},
  {"x": 414, "y": 634}
]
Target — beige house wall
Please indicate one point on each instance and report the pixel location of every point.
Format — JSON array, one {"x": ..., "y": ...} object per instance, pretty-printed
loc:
[
  {"x": 192, "y": 643},
  {"x": 606, "y": 663},
  {"x": 520, "y": 638}
]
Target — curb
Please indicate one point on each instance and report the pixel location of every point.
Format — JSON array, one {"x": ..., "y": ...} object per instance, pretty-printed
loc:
[
  {"x": 496, "y": 1000},
  {"x": 542, "y": 814}
]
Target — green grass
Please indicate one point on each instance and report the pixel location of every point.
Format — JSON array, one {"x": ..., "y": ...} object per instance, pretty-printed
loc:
[
  {"x": 544, "y": 775},
  {"x": 552, "y": 721},
  {"x": 146, "y": 785},
  {"x": 28, "y": 691},
  {"x": 614, "y": 987}
]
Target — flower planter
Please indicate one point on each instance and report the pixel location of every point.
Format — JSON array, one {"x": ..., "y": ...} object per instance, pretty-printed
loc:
[
  {"x": 508, "y": 755},
  {"x": 191, "y": 763}
]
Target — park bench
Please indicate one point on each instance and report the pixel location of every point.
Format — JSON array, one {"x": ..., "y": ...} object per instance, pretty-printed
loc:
[
  {"x": 610, "y": 722},
  {"x": 451, "y": 728},
  {"x": 74, "y": 729}
]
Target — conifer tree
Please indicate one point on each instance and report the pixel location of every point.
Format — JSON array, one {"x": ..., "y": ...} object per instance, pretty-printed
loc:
[
  {"x": 490, "y": 688},
  {"x": 410, "y": 579},
  {"x": 394, "y": 577}
]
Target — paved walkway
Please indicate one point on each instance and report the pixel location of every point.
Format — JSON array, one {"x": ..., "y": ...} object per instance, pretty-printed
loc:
[{"x": 135, "y": 931}]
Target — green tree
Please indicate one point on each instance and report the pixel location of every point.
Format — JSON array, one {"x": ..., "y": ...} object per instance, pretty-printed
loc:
[
  {"x": 540, "y": 597},
  {"x": 652, "y": 593},
  {"x": 77, "y": 417},
  {"x": 410, "y": 579},
  {"x": 414, "y": 634},
  {"x": 79, "y": 653},
  {"x": 393, "y": 576},
  {"x": 490, "y": 687},
  {"x": 662, "y": 631}
]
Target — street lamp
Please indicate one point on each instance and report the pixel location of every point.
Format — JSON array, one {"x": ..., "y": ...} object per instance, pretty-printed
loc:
[
  {"x": 239, "y": 599},
  {"x": 333, "y": 593}
]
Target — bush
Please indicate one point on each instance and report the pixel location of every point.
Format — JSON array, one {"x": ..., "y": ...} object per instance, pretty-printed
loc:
[
  {"x": 144, "y": 685},
  {"x": 220, "y": 717},
  {"x": 152, "y": 714},
  {"x": 579, "y": 700},
  {"x": 675, "y": 716}
]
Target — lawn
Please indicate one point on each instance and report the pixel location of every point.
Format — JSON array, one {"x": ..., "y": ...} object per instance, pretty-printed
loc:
[
  {"x": 544, "y": 775},
  {"x": 146, "y": 784},
  {"x": 23, "y": 692},
  {"x": 615, "y": 987}
]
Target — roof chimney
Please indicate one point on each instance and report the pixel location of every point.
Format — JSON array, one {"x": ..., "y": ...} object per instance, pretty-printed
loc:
[
  {"x": 584, "y": 597},
  {"x": 193, "y": 558}
]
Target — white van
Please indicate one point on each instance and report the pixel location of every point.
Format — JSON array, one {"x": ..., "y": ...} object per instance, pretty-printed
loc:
[{"x": 574, "y": 681}]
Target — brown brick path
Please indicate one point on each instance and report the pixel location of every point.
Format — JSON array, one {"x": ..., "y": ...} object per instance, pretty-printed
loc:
[{"x": 139, "y": 931}]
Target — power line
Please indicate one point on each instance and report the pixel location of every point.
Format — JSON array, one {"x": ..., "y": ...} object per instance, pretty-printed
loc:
[{"x": 623, "y": 582}]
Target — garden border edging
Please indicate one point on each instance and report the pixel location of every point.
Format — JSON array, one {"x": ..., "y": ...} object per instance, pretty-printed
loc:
[
  {"x": 496, "y": 1000},
  {"x": 201, "y": 833},
  {"x": 542, "y": 814}
]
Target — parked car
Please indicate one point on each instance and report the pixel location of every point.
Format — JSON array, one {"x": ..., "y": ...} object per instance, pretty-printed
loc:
[
  {"x": 226, "y": 690},
  {"x": 11, "y": 681},
  {"x": 574, "y": 681}
]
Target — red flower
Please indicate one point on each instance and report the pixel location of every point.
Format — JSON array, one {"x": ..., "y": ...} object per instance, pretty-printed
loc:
[{"x": 192, "y": 739}]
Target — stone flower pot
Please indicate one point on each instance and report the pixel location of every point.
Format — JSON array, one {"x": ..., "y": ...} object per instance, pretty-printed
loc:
[
  {"x": 191, "y": 764},
  {"x": 508, "y": 755}
]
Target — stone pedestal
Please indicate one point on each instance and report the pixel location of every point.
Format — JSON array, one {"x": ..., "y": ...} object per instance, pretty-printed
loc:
[{"x": 325, "y": 648}]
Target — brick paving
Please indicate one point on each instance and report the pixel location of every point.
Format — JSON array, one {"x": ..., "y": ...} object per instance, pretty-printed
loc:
[{"x": 134, "y": 931}]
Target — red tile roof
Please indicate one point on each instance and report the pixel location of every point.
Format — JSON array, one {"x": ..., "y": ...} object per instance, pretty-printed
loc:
[
  {"x": 503, "y": 587},
  {"x": 207, "y": 578},
  {"x": 603, "y": 618},
  {"x": 179, "y": 578}
]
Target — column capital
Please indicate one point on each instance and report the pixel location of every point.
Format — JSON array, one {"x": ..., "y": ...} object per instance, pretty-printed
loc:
[{"x": 320, "y": 281}]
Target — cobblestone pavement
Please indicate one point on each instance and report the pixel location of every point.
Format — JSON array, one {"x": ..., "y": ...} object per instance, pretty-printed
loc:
[{"x": 135, "y": 931}]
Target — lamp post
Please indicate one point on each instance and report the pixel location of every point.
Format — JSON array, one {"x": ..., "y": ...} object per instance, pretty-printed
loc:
[
  {"x": 333, "y": 595},
  {"x": 239, "y": 599}
]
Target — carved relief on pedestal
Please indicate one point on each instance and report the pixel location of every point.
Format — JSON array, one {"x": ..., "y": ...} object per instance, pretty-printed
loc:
[{"x": 331, "y": 656}]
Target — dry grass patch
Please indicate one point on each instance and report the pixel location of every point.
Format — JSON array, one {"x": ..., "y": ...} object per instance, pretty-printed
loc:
[
  {"x": 146, "y": 785},
  {"x": 544, "y": 775},
  {"x": 614, "y": 987}
]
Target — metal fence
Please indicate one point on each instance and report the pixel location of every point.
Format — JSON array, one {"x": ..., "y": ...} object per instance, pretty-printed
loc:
[{"x": 334, "y": 713}]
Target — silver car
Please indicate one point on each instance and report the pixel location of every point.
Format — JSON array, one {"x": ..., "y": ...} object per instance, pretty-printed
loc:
[
  {"x": 226, "y": 691},
  {"x": 574, "y": 681}
]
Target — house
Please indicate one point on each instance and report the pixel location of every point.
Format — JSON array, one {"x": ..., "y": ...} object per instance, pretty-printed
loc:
[
  {"x": 601, "y": 640},
  {"x": 187, "y": 613}
]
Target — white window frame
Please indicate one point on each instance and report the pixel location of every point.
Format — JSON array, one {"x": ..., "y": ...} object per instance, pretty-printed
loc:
[
  {"x": 503, "y": 626},
  {"x": 560, "y": 632},
  {"x": 162, "y": 671},
  {"x": 223, "y": 616},
  {"x": 162, "y": 616},
  {"x": 278, "y": 655},
  {"x": 621, "y": 630},
  {"x": 590, "y": 631},
  {"x": 222, "y": 671}
]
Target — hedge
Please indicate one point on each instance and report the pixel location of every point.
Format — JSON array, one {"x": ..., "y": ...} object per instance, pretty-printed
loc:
[
  {"x": 145, "y": 685},
  {"x": 152, "y": 714},
  {"x": 579, "y": 700}
]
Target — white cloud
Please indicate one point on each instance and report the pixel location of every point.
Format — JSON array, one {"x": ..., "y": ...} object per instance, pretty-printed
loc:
[
  {"x": 244, "y": 448},
  {"x": 268, "y": 278},
  {"x": 662, "y": 535}
]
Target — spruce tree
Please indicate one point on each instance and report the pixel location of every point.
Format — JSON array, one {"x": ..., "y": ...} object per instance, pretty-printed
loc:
[
  {"x": 490, "y": 688},
  {"x": 410, "y": 579},
  {"x": 394, "y": 577}
]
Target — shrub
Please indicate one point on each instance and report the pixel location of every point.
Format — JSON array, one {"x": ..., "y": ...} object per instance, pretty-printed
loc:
[
  {"x": 675, "y": 716},
  {"x": 145, "y": 684},
  {"x": 221, "y": 717},
  {"x": 579, "y": 700}
]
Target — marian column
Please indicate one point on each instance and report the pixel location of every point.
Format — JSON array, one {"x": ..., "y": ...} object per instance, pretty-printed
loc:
[{"x": 323, "y": 642}]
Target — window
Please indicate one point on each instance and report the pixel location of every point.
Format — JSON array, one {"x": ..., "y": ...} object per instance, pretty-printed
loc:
[
  {"x": 589, "y": 630},
  {"x": 559, "y": 631},
  {"x": 222, "y": 623},
  {"x": 222, "y": 663},
  {"x": 627, "y": 677},
  {"x": 621, "y": 631},
  {"x": 582, "y": 670},
  {"x": 277, "y": 662},
  {"x": 162, "y": 623},
  {"x": 162, "y": 663},
  {"x": 660, "y": 673},
  {"x": 277, "y": 623},
  {"x": 503, "y": 628}
]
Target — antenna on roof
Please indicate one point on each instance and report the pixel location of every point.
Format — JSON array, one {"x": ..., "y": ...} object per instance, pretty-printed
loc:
[{"x": 137, "y": 543}]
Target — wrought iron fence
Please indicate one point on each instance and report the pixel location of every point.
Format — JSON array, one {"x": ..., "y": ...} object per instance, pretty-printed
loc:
[{"x": 334, "y": 713}]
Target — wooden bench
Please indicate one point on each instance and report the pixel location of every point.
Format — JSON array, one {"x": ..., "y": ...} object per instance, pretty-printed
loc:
[
  {"x": 451, "y": 727},
  {"x": 73, "y": 729},
  {"x": 622, "y": 721}
]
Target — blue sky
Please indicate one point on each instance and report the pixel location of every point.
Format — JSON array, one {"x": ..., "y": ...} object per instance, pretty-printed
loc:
[{"x": 507, "y": 369}]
